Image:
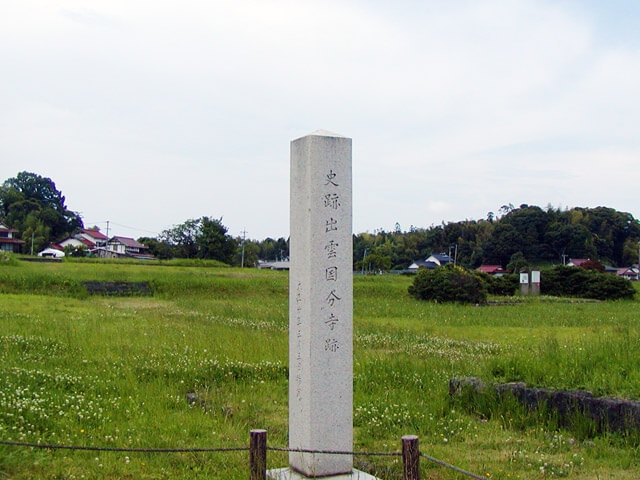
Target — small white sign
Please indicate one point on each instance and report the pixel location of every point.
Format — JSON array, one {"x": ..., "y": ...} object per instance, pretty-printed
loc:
[
  {"x": 535, "y": 276},
  {"x": 524, "y": 278}
]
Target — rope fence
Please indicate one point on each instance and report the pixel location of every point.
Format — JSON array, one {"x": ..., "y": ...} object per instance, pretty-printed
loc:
[{"x": 258, "y": 454}]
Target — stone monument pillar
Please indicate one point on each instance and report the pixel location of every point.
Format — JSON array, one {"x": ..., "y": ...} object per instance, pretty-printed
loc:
[
  {"x": 321, "y": 304},
  {"x": 320, "y": 309}
]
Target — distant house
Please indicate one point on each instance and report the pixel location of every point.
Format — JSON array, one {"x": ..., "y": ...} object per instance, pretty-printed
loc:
[
  {"x": 89, "y": 239},
  {"x": 610, "y": 269},
  {"x": 630, "y": 273},
  {"x": 434, "y": 260},
  {"x": 93, "y": 236},
  {"x": 493, "y": 270},
  {"x": 8, "y": 240},
  {"x": 440, "y": 259},
  {"x": 77, "y": 241},
  {"x": 129, "y": 247},
  {"x": 576, "y": 262},
  {"x": 415, "y": 266}
]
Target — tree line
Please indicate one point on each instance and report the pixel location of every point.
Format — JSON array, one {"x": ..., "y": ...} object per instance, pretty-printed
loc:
[
  {"x": 524, "y": 235},
  {"x": 513, "y": 237}
]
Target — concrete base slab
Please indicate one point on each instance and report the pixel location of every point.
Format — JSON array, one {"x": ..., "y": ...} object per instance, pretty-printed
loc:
[{"x": 288, "y": 474}]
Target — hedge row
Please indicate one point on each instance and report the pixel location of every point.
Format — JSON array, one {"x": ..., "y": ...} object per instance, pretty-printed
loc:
[{"x": 455, "y": 284}]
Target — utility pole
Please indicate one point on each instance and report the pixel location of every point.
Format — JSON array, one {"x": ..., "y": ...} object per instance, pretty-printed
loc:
[
  {"x": 455, "y": 253},
  {"x": 363, "y": 259},
  {"x": 32, "y": 235},
  {"x": 244, "y": 236}
]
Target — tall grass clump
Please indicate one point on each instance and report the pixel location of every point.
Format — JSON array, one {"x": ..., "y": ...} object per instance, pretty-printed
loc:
[
  {"x": 7, "y": 260},
  {"x": 40, "y": 283},
  {"x": 604, "y": 365}
]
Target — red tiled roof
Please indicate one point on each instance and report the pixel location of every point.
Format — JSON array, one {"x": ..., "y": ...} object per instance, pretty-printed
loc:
[
  {"x": 86, "y": 241},
  {"x": 11, "y": 240},
  {"x": 578, "y": 261},
  {"x": 95, "y": 234},
  {"x": 490, "y": 268},
  {"x": 129, "y": 242},
  {"x": 7, "y": 230}
]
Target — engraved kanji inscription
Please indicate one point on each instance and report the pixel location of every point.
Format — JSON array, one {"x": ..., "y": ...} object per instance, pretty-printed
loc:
[
  {"x": 331, "y": 178},
  {"x": 331, "y": 345},
  {"x": 332, "y": 321},
  {"x": 332, "y": 298},
  {"x": 331, "y": 274},
  {"x": 332, "y": 249},
  {"x": 331, "y": 225},
  {"x": 332, "y": 200}
]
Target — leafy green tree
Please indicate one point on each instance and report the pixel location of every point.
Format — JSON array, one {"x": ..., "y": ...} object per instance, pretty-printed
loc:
[
  {"x": 273, "y": 250},
  {"x": 505, "y": 241},
  {"x": 631, "y": 251},
  {"x": 182, "y": 239},
  {"x": 35, "y": 233},
  {"x": 75, "y": 251},
  {"x": 157, "y": 248},
  {"x": 573, "y": 240},
  {"x": 530, "y": 224},
  {"x": 200, "y": 238},
  {"x": 29, "y": 196},
  {"x": 517, "y": 263},
  {"x": 213, "y": 242},
  {"x": 251, "y": 253}
]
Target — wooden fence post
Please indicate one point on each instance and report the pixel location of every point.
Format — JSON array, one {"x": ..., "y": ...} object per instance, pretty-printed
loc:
[
  {"x": 410, "y": 458},
  {"x": 258, "y": 455}
]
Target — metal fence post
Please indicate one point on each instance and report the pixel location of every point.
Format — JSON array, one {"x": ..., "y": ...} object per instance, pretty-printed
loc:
[
  {"x": 410, "y": 458},
  {"x": 258, "y": 455}
]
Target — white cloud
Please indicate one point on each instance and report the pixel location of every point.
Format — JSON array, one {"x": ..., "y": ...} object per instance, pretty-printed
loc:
[{"x": 455, "y": 107}]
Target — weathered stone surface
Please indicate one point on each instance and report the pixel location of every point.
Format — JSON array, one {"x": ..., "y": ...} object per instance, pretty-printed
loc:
[{"x": 321, "y": 304}]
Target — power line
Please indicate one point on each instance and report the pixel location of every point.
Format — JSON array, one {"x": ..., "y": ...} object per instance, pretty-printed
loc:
[{"x": 107, "y": 222}]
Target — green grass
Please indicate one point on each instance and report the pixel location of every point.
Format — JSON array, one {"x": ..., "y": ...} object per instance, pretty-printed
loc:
[{"x": 86, "y": 370}]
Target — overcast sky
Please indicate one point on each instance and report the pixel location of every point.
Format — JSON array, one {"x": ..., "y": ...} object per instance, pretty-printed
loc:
[{"x": 147, "y": 113}]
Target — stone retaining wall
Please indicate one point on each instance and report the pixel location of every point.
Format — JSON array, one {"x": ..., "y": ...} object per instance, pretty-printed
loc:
[
  {"x": 609, "y": 414},
  {"x": 119, "y": 289}
]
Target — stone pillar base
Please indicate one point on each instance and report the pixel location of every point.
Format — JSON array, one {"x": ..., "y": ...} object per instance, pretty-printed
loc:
[{"x": 288, "y": 474}]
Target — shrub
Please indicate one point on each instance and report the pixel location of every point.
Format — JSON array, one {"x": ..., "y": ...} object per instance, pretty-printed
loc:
[
  {"x": 593, "y": 265},
  {"x": 7, "y": 260},
  {"x": 448, "y": 284},
  {"x": 577, "y": 282},
  {"x": 506, "y": 285}
]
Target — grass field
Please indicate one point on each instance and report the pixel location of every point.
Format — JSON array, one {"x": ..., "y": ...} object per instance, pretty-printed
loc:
[{"x": 86, "y": 370}]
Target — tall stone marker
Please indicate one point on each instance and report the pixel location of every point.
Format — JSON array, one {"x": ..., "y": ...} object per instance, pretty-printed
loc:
[{"x": 321, "y": 305}]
